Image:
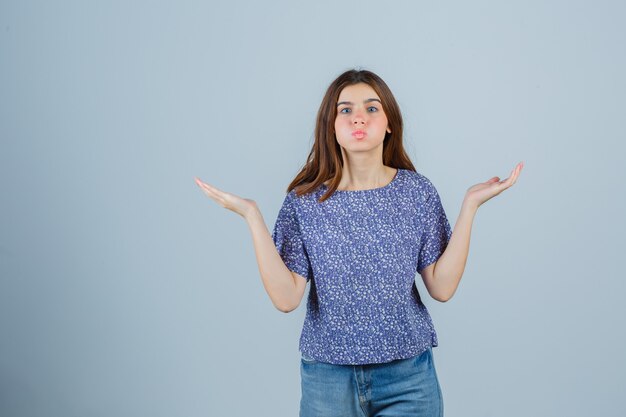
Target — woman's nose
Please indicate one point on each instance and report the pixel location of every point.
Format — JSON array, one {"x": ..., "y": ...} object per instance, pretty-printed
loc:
[{"x": 358, "y": 118}]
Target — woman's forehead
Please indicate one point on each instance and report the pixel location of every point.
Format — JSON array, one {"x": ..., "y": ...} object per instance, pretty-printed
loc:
[{"x": 360, "y": 91}]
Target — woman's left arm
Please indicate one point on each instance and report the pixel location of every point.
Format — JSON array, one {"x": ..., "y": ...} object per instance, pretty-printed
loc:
[{"x": 447, "y": 271}]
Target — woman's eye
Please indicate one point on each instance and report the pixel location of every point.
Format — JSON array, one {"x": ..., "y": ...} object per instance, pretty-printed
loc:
[{"x": 347, "y": 108}]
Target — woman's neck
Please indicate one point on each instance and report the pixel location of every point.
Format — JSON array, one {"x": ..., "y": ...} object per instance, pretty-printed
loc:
[{"x": 353, "y": 179}]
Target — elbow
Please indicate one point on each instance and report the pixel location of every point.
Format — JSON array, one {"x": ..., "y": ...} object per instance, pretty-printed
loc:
[
  {"x": 290, "y": 307},
  {"x": 439, "y": 298},
  {"x": 442, "y": 298},
  {"x": 285, "y": 308}
]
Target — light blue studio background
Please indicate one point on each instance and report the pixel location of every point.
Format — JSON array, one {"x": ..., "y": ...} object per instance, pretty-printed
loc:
[{"x": 126, "y": 291}]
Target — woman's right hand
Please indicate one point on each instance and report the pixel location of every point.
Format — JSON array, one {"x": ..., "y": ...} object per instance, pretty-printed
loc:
[{"x": 241, "y": 206}]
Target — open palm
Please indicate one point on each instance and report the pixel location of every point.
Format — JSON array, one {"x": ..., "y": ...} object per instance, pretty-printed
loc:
[
  {"x": 484, "y": 191},
  {"x": 241, "y": 206}
]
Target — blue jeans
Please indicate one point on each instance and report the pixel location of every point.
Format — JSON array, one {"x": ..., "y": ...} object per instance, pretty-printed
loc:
[{"x": 403, "y": 387}]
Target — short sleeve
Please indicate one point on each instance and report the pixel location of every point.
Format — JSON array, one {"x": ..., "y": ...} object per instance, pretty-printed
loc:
[
  {"x": 287, "y": 238},
  {"x": 436, "y": 229}
]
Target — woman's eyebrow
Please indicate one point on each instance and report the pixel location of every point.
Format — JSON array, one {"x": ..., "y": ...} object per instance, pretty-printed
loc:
[{"x": 364, "y": 101}]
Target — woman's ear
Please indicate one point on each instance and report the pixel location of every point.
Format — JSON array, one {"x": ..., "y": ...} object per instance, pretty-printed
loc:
[{"x": 388, "y": 130}]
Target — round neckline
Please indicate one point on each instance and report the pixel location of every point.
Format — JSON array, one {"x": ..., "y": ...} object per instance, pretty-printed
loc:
[{"x": 384, "y": 187}]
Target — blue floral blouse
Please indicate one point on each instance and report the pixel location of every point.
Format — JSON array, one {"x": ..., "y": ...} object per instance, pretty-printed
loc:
[{"x": 360, "y": 251}]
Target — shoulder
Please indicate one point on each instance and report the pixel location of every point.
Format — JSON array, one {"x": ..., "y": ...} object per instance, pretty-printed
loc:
[
  {"x": 299, "y": 204},
  {"x": 422, "y": 184},
  {"x": 305, "y": 199},
  {"x": 289, "y": 204}
]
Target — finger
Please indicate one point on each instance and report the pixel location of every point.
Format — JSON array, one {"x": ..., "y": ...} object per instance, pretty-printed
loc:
[
  {"x": 506, "y": 183},
  {"x": 518, "y": 169},
  {"x": 211, "y": 191},
  {"x": 511, "y": 178},
  {"x": 219, "y": 199},
  {"x": 207, "y": 191},
  {"x": 199, "y": 183},
  {"x": 208, "y": 187}
]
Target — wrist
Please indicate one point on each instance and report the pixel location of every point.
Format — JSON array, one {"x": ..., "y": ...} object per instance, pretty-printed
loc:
[
  {"x": 469, "y": 205},
  {"x": 253, "y": 214}
]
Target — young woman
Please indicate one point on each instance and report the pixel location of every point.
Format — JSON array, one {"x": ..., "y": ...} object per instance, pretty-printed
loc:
[{"x": 357, "y": 222}]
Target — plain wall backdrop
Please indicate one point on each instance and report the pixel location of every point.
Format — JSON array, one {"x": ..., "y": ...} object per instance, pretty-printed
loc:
[{"x": 126, "y": 291}]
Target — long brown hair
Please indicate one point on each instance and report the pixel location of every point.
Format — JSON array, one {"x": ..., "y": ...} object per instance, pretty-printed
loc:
[{"x": 325, "y": 160}]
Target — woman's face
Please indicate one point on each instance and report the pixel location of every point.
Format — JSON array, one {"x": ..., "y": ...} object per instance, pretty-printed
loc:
[{"x": 359, "y": 109}]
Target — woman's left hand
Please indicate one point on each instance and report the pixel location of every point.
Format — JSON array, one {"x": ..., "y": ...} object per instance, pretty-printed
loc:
[{"x": 479, "y": 193}]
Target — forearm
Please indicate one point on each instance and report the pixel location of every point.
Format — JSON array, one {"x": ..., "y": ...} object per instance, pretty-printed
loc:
[
  {"x": 277, "y": 278},
  {"x": 451, "y": 264}
]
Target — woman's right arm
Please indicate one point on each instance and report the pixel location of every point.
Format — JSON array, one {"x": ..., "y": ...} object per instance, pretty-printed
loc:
[{"x": 284, "y": 287}]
